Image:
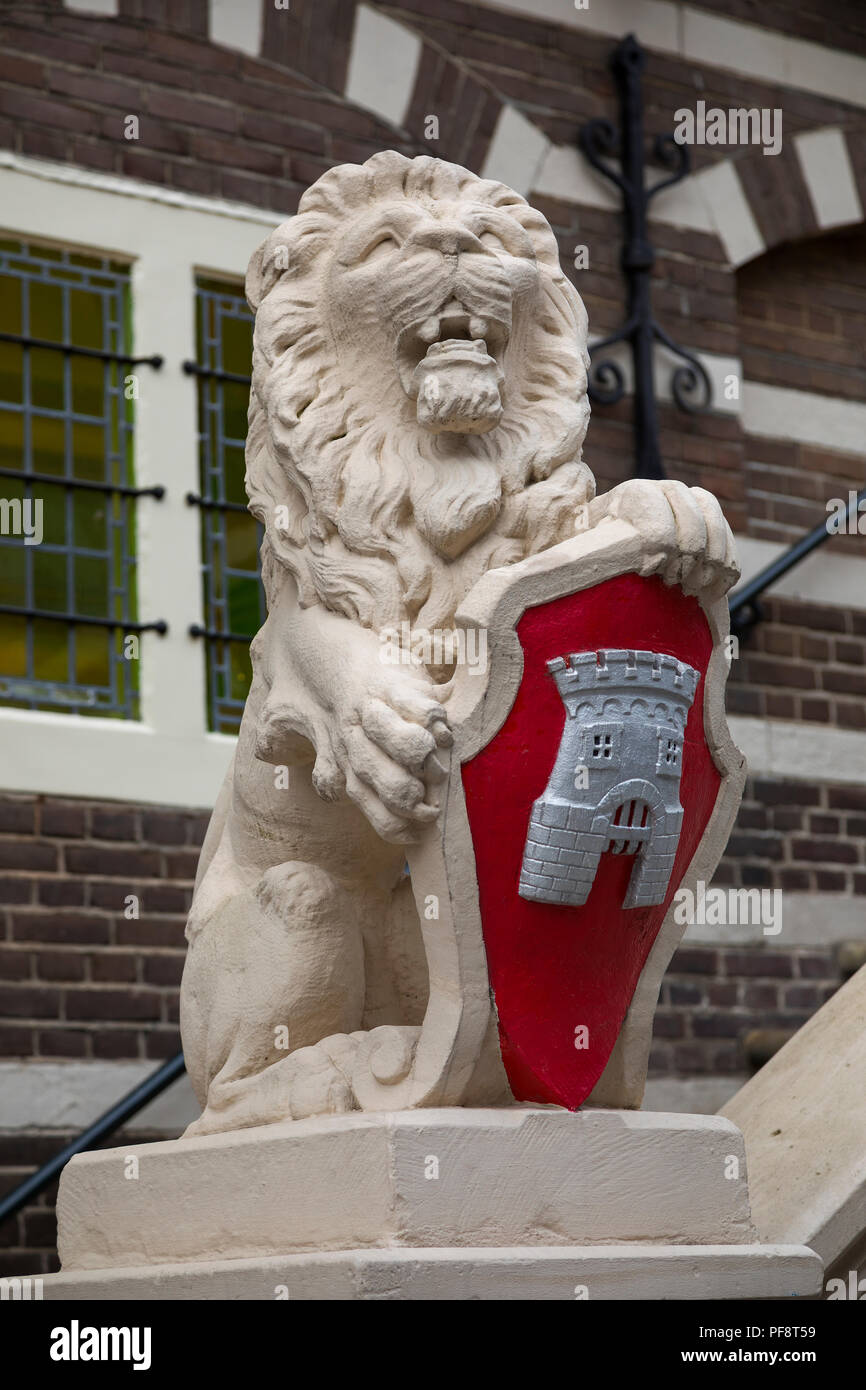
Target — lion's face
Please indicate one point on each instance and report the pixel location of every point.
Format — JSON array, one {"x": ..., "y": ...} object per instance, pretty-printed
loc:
[
  {"x": 419, "y": 389},
  {"x": 431, "y": 298}
]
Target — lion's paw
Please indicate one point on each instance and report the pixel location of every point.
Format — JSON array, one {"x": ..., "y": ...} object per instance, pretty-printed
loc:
[
  {"x": 320, "y": 1082},
  {"x": 686, "y": 537},
  {"x": 381, "y": 750}
]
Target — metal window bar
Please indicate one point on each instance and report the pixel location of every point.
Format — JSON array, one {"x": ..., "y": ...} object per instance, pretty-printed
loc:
[
  {"x": 97, "y": 353},
  {"x": 35, "y": 269}
]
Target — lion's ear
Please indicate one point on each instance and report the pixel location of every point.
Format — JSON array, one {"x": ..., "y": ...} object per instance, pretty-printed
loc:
[
  {"x": 253, "y": 282},
  {"x": 266, "y": 266}
]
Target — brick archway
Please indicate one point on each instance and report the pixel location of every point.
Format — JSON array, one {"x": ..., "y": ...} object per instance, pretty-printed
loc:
[{"x": 817, "y": 183}]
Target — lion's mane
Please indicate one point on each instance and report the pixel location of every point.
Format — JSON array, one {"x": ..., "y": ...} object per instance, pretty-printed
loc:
[{"x": 329, "y": 478}]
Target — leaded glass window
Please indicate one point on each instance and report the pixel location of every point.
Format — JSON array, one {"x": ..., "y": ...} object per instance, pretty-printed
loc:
[
  {"x": 68, "y": 590},
  {"x": 234, "y": 601}
]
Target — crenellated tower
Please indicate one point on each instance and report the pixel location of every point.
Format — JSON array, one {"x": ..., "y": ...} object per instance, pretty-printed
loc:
[{"x": 615, "y": 783}]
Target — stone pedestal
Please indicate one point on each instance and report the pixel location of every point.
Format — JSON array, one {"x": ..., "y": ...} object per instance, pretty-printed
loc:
[{"x": 522, "y": 1203}]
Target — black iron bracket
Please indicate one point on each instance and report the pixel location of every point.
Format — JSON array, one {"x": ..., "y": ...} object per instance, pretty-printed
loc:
[
  {"x": 600, "y": 141},
  {"x": 193, "y": 500},
  {"x": 211, "y": 635},
  {"x": 53, "y": 480},
  {"x": 81, "y": 619},
  {"x": 196, "y": 369},
  {"x": 72, "y": 350}
]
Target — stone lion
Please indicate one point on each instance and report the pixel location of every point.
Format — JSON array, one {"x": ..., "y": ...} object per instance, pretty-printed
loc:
[{"x": 416, "y": 418}]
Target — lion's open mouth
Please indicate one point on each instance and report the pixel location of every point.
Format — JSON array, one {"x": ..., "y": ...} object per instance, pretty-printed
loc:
[{"x": 448, "y": 364}]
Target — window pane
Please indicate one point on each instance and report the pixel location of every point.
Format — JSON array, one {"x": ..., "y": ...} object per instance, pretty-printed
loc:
[
  {"x": 48, "y": 444},
  {"x": 49, "y": 580},
  {"x": 85, "y": 318},
  {"x": 91, "y": 584},
  {"x": 89, "y": 520},
  {"x": 88, "y": 452},
  {"x": 13, "y": 576},
  {"x": 10, "y": 304},
  {"x": 46, "y": 310},
  {"x": 11, "y": 439},
  {"x": 11, "y": 373},
  {"x": 88, "y": 385},
  {"x": 50, "y": 652},
  {"x": 92, "y": 656},
  {"x": 54, "y": 516}
]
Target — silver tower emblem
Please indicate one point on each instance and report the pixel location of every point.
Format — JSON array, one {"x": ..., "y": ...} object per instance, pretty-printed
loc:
[{"x": 615, "y": 784}]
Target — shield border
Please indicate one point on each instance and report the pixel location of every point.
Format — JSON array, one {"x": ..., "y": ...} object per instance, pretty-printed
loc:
[{"x": 401, "y": 1067}]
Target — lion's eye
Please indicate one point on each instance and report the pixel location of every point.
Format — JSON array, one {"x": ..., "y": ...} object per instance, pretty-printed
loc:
[
  {"x": 382, "y": 245},
  {"x": 488, "y": 238}
]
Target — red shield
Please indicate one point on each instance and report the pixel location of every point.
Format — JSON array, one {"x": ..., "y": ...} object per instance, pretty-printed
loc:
[{"x": 563, "y": 976}]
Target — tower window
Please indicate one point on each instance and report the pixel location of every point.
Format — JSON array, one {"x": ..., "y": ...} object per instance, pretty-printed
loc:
[{"x": 670, "y": 751}]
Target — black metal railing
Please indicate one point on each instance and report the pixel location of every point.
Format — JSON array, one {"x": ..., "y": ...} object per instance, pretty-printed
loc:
[
  {"x": 90, "y": 1138},
  {"x": 744, "y": 605}
]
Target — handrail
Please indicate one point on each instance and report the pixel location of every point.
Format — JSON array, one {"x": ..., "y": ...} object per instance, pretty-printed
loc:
[
  {"x": 123, "y": 1110},
  {"x": 744, "y": 601}
]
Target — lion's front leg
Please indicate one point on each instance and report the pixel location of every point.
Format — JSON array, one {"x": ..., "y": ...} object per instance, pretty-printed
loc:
[
  {"x": 373, "y": 728},
  {"x": 687, "y": 540}
]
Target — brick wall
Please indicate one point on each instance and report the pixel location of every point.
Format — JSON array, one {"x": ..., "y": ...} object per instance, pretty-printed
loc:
[
  {"x": 799, "y": 837},
  {"x": 722, "y": 1009},
  {"x": 806, "y": 661},
  {"x": 806, "y": 20},
  {"x": 802, "y": 325},
  {"x": 79, "y": 977},
  {"x": 560, "y": 74},
  {"x": 211, "y": 121}
]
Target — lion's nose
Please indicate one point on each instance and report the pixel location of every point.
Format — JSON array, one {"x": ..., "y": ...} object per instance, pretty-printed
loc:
[{"x": 448, "y": 238}]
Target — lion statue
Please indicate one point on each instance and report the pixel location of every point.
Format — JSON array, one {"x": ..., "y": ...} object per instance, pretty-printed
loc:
[{"x": 416, "y": 418}]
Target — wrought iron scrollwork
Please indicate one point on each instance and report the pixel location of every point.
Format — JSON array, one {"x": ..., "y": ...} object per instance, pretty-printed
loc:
[
  {"x": 691, "y": 387},
  {"x": 602, "y": 142},
  {"x": 606, "y": 380}
]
